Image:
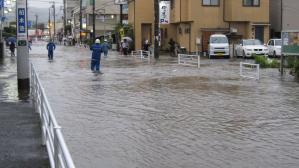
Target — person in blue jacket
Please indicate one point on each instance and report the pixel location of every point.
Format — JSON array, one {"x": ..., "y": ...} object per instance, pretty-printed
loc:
[
  {"x": 96, "y": 56},
  {"x": 105, "y": 47},
  {"x": 51, "y": 47}
]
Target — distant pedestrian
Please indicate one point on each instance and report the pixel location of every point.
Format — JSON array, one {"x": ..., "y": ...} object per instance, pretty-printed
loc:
[
  {"x": 146, "y": 45},
  {"x": 172, "y": 47},
  {"x": 29, "y": 45},
  {"x": 96, "y": 56},
  {"x": 51, "y": 47},
  {"x": 12, "y": 47},
  {"x": 105, "y": 48},
  {"x": 125, "y": 47},
  {"x": 64, "y": 41}
]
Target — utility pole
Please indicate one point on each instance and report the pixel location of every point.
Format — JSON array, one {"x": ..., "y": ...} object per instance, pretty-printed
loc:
[
  {"x": 282, "y": 28},
  {"x": 64, "y": 17},
  {"x": 22, "y": 48},
  {"x": 156, "y": 31},
  {"x": 54, "y": 20},
  {"x": 36, "y": 32},
  {"x": 93, "y": 21},
  {"x": 50, "y": 23},
  {"x": 54, "y": 13},
  {"x": 2, "y": 48},
  {"x": 80, "y": 21},
  {"x": 121, "y": 14}
]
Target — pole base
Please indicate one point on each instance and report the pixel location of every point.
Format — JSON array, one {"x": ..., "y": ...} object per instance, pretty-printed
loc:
[{"x": 24, "y": 88}]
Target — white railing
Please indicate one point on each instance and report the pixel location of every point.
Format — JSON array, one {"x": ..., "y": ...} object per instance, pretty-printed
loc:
[
  {"x": 189, "y": 60},
  {"x": 143, "y": 55},
  {"x": 248, "y": 70},
  {"x": 52, "y": 137}
]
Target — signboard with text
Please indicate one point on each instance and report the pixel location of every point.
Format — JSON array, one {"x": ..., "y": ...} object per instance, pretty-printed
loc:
[
  {"x": 164, "y": 12},
  {"x": 290, "y": 42},
  {"x": 21, "y": 20},
  {"x": 120, "y": 2},
  {"x": 1, "y": 4}
]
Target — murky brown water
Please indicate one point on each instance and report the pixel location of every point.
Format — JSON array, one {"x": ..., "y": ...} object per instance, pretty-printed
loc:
[{"x": 167, "y": 116}]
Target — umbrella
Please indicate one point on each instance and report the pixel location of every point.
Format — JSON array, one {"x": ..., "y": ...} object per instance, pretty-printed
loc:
[
  {"x": 127, "y": 38},
  {"x": 11, "y": 39}
]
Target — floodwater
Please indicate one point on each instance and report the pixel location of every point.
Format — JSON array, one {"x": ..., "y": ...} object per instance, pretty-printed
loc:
[
  {"x": 8, "y": 79},
  {"x": 161, "y": 115}
]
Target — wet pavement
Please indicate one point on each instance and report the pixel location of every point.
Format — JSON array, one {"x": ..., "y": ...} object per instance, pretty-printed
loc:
[
  {"x": 20, "y": 134},
  {"x": 162, "y": 115}
]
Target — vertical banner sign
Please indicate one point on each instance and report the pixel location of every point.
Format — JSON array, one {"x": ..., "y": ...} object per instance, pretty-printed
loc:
[
  {"x": 22, "y": 22},
  {"x": 164, "y": 12}
]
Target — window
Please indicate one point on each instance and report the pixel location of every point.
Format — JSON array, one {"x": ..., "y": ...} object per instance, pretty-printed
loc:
[
  {"x": 271, "y": 43},
  {"x": 210, "y": 2},
  {"x": 278, "y": 42},
  {"x": 251, "y": 2}
]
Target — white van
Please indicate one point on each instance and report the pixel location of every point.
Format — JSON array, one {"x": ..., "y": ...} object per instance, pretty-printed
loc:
[{"x": 218, "y": 46}]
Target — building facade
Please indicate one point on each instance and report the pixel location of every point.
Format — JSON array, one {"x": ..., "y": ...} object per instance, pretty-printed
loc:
[
  {"x": 283, "y": 16},
  {"x": 194, "y": 21}
]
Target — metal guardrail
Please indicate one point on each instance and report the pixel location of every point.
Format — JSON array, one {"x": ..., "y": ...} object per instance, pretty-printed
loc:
[
  {"x": 143, "y": 55},
  {"x": 52, "y": 137},
  {"x": 248, "y": 70},
  {"x": 189, "y": 60}
]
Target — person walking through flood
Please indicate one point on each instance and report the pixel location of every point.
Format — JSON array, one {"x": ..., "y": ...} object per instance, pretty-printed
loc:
[
  {"x": 51, "y": 47},
  {"x": 125, "y": 47},
  {"x": 105, "y": 48},
  {"x": 96, "y": 56},
  {"x": 12, "y": 47}
]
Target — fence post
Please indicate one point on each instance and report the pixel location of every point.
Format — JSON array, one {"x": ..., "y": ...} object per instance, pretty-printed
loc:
[
  {"x": 42, "y": 117},
  {"x": 56, "y": 146},
  {"x": 258, "y": 71},
  {"x": 198, "y": 61},
  {"x": 241, "y": 71}
]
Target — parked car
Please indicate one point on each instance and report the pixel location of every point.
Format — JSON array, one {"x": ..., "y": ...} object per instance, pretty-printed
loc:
[
  {"x": 274, "y": 47},
  {"x": 250, "y": 47},
  {"x": 218, "y": 46}
]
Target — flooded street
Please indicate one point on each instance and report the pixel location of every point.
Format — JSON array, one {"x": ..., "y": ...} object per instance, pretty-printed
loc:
[{"x": 161, "y": 115}]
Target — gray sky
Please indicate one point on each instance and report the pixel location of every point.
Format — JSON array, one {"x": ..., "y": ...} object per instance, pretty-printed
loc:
[
  {"x": 43, "y": 3},
  {"x": 41, "y": 8}
]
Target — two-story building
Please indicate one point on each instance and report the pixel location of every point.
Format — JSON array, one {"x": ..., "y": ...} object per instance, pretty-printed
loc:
[{"x": 196, "y": 20}]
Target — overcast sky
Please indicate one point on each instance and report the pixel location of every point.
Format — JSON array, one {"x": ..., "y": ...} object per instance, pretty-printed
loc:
[
  {"x": 43, "y": 3},
  {"x": 41, "y": 8}
]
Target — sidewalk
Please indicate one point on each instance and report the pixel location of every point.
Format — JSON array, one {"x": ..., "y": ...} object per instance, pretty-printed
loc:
[{"x": 20, "y": 134}]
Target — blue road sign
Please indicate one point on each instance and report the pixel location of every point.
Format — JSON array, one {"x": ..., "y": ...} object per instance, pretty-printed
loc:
[
  {"x": 1, "y": 4},
  {"x": 21, "y": 20},
  {"x": 29, "y": 24}
]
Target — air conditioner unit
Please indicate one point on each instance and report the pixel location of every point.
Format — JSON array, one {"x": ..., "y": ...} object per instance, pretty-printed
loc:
[{"x": 233, "y": 30}]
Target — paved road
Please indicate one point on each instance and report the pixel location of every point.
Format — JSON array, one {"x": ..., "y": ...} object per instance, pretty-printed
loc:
[
  {"x": 20, "y": 135},
  {"x": 161, "y": 115}
]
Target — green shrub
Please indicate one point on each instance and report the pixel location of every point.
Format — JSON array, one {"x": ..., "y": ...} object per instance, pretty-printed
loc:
[
  {"x": 265, "y": 62},
  {"x": 261, "y": 60},
  {"x": 293, "y": 63}
]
